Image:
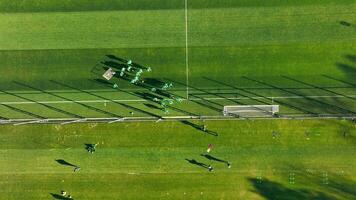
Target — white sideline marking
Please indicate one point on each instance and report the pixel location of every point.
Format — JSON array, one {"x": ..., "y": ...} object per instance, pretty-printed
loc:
[
  {"x": 31, "y": 122},
  {"x": 74, "y": 121},
  {"x": 186, "y": 48},
  {"x": 117, "y": 120},
  {"x": 195, "y": 99}
]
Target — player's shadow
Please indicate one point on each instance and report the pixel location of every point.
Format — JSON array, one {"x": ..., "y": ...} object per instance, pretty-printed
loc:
[
  {"x": 63, "y": 162},
  {"x": 88, "y": 146},
  {"x": 199, "y": 127},
  {"x": 209, "y": 157},
  {"x": 345, "y": 23},
  {"x": 200, "y": 164},
  {"x": 57, "y": 196}
]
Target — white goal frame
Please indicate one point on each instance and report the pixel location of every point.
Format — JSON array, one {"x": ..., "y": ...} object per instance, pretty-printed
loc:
[{"x": 238, "y": 110}]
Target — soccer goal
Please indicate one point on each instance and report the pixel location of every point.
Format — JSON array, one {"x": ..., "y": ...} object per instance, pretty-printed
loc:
[{"x": 251, "y": 110}]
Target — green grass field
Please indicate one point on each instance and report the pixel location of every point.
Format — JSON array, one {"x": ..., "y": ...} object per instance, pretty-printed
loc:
[
  {"x": 299, "y": 54},
  {"x": 237, "y": 51},
  {"x": 147, "y": 161}
]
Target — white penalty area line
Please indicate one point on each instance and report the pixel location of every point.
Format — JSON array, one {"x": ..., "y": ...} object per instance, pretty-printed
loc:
[
  {"x": 195, "y": 99},
  {"x": 186, "y": 48}
]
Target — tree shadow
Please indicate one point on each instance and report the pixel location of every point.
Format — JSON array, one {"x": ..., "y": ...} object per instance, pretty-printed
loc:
[
  {"x": 352, "y": 58},
  {"x": 123, "y": 104},
  {"x": 271, "y": 190},
  {"x": 318, "y": 103},
  {"x": 200, "y": 164},
  {"x": 148, "y": 96},
  {"x": 266, "y": 98},
  {"x": 63, "y": 162},
  {"x": 24, "y": 112},
  {"x": 182, "y": 111},
  {"x": 152, "y": 106},
  {"x": 203, "y": 101},
  {"x": 347, "y": 69},
  {"x": 317, "y": 87},
  {"x": 36, "y": 102},
  {"x": 113, "y": 64},
  {"x": 340, "y": 80},
  {"x": 116, "y": 58}
]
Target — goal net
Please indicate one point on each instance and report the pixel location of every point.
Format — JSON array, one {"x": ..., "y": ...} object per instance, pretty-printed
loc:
[{"x": 251, "y": 110}]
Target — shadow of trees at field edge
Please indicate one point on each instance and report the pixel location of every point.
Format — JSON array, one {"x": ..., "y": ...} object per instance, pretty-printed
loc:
[
  {"x": 309, "y": 187},
  {"x": 271, "y": 190}
]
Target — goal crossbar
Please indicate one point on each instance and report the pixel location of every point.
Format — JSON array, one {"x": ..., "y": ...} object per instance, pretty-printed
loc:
[{"x": 248, "y": 109}]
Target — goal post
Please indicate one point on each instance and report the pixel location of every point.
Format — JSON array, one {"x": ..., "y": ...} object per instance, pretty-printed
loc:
[{"x": 251, "y": 110}]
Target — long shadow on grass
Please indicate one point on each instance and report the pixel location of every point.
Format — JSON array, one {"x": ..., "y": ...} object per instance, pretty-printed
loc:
[
  {"x": 203, "y": 101},
  {"x": 271, "y": 190},
  {"x": 57, "y": 196},
  {"x": 209, "y": 157},
  {"x": 315, "y": 101},
  {"x": 199, "y": 128},
  {"x": 39, "y": 103},
  {"x": 264, "y": 97},
  {"x": 311, "y": 185},
  {"x": 149, "y": 97},
  {"x": 124, "y": 61},
  {"x": 317, "y": 87},
  {"x": 110, "y": 100},
  {"x": 340, "y": 80},
  {"x": 67, "y": 99},
  {"x": 24, "y": 112},
  {"x": 348, "y": 69},
  {"x": 65, "y": 163},
  {"x": 200, "y": 164}
]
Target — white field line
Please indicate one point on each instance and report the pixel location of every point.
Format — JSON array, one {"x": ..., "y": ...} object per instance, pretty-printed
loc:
[
  {"x": 195, "y": 99},
  {"x": 186, "y": 48},
  {"x": 74, "y": 121}
]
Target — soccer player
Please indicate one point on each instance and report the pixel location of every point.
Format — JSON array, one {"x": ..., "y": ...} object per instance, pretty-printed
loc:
[
  {"x": 77, "y": 168},
  {"x": 210, "y": 168},
  {"x": 210, "y": 147},
  {"x": 204, "y": 128},
  {"x": 129, "y": 68}
]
